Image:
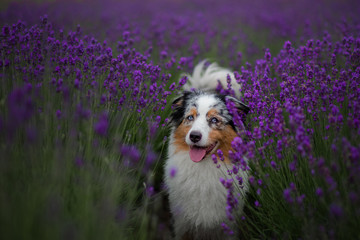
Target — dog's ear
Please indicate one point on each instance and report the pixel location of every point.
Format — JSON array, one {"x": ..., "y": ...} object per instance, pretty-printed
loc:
[
  {"x": 179, "y": 101},
  {"x": 242, "y": 107},
  {"x": 178, "y": 109}
]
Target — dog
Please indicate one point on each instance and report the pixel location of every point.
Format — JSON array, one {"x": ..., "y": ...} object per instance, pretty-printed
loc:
[{"x": 201, "y": 125}]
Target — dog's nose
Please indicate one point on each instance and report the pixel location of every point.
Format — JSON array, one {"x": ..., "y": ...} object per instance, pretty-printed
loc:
[{"x": 195, "y": 136}]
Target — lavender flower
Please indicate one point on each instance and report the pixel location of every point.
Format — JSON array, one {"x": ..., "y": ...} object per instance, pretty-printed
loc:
[
  {"x": 173, "y": 172},
  {"x": 101, "y": 127}
]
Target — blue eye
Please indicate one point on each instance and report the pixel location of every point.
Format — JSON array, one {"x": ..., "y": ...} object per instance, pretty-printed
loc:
[
  {"x": 190, "y": 117},
  {"x": 214, "y": 120}
]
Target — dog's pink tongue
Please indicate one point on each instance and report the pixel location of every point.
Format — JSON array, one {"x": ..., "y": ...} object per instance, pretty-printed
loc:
[{"x": 197, "y": 154}]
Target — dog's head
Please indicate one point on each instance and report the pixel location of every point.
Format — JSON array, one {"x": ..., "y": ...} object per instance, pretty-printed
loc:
[{"x": 202, "y": 123}]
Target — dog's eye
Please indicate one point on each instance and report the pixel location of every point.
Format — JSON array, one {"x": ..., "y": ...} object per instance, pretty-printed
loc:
[
  {"x": 190, "y": 117},
  {"x": 214, "y": 120}
]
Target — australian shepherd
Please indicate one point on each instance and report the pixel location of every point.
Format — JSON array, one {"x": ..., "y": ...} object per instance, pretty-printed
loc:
[{"x": 201, "y": 124}]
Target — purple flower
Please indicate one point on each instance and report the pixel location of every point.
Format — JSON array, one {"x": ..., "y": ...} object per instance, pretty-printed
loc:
[
  {"x": 82, "y": 112},
  {"x": 214, "y": 158},
  {"x": 287, "y": 45},
  {"x": 149, "y": 160},
  {"x": 101, "y": 127},
  {"x": 258, "y": 191},
  {"x": 172, "y": 87},
  {"x": 103, "y": 99},
  {"x": 267, "y": 55},
  {"x": 77, "y": 83},
  {"x": 173, "y": 172},
  {"x": 150, "y": 191},
  {"x": 336, "y": 210},
  {"x": 163, "y": 54},
  {"x": 183, "y": 81},
  {"x": 252, "y": 180},
  {"x": 287, "y": 195},
  {"x": 300, "y": 199},
  {"x": 273, "y": 164},
  {"x": 292, "y": 166},
  {"x": 154, "y": 126},
  {"x": 226, "y": 182},
  {"x": 226, "y": 229},
  {"x": 58, "y": 113},
  {"x": 131, "y": 155},
  {"x": 79, "y": 162},
  {"x": 20, "y": 105},
  {"x": 319, "y": 192},
  {"x": 20, "y": 108},
  {"x": 220, "y": 154},
  {"x": 240, "y": 180}
]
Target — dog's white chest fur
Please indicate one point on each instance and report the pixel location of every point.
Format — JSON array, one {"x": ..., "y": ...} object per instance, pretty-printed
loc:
[{"x": 197, "y": 197}]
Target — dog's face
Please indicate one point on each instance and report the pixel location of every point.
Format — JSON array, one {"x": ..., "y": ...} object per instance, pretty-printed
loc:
[{"x": 202, "y": 124}]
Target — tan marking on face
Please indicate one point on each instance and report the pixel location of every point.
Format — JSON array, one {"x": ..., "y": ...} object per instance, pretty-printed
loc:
[
  {"x": 224, "y": 136},
  {"x": 212, "y": 113},
  {"x": 179, "y": 137},
  {"x": 182, "y": 130},
  {"x": 193, "y": 112}
]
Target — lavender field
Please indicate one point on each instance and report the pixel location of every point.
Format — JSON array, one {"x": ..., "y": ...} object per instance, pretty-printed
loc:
[{"x": 85, "y": 95}]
